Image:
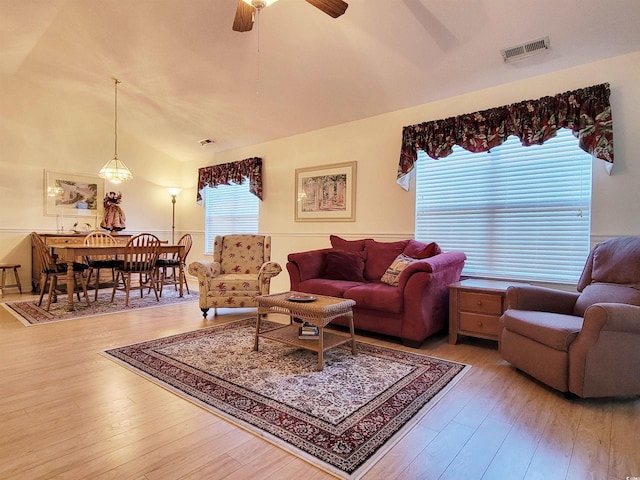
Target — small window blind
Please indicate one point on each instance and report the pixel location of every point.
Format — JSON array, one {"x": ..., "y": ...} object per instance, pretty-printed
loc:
[
  {"x": 519, "y": 213},
  {"x": 229, "y": 209}
]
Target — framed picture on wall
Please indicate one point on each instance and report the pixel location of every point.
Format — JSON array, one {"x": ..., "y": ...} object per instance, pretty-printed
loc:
[
  {"x": 72, "y": 194},
  {"x": 326, "y": 193}
]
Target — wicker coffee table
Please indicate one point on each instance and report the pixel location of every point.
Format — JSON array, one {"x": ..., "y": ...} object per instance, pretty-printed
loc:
[{"x": 320, "y": 311}]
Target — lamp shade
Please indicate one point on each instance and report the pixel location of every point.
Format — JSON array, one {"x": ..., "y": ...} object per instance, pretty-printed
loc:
[{"x": 115, "y": 171}]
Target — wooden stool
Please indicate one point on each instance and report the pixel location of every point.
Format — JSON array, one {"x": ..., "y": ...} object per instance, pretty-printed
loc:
[{"x": 4, "y": 267}]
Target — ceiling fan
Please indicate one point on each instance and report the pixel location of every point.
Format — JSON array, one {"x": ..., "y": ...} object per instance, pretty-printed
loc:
[{"x": 245, "y": 13}]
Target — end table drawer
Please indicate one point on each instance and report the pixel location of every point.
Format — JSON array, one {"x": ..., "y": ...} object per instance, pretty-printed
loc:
[
  {"x": 65, "y": 240},
  {"x": 481, "y": 303},
  {"x": 479, "y": 324}
]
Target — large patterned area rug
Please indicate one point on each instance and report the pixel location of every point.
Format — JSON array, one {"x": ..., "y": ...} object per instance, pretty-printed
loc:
[
  {"x": 30, "y": 314},
  {"x": 342, "y": 419}
]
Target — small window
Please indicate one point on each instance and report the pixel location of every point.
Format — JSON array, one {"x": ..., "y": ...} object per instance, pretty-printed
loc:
[
  {"x": 519, "y": 213},
  {"x": 229, "y": 209}
]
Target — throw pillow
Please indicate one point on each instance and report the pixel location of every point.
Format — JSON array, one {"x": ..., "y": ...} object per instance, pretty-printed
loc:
[
  {"x": 379, "y": 257},
  {"x": 392, "y": 274},
  {"x": 416, "y": 249},
  {"x": 346, "y": 245},
  {"x": 342, "y": 265}
]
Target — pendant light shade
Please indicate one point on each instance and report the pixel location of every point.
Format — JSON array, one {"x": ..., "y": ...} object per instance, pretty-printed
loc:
[{"x": 115, "y": 170}]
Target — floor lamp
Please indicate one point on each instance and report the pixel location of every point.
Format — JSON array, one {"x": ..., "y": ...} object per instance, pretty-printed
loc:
[{"x": 174, "y": 192}]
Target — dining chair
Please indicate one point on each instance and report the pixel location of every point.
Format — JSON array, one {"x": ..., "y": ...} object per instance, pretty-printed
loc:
[
  {"x": 139, "y": 257},
  {"x": 98, "y": 262},
  {"x": 51, "y": 270},
  {"x": 173, "y": 262}
]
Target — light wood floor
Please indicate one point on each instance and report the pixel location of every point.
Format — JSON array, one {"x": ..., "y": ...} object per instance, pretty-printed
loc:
[{"x": 68, "y": 412}]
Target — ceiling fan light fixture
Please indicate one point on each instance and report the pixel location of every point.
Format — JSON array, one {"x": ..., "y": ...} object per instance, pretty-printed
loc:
[
  {"x": 248, "y": 10},
  {"x": 259, "y": 4}
]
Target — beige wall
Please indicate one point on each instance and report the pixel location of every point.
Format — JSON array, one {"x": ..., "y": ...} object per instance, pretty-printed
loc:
[
  {"x": 70, "y": 132},
  {"x": 385, "y": 211},
  {"x": 47, "y": 139}
]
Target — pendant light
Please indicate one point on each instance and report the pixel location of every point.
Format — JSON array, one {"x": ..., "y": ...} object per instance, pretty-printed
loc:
[{"x": 115, "y": 170}]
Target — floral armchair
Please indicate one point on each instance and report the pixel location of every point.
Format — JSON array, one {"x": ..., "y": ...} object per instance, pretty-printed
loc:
[{"x": 240, "y": 271}]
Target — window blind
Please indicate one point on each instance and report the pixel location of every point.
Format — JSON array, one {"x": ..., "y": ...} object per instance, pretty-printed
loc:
[
  {"x": 519, "y": 213},
  {"x": 229, "y": 209}
]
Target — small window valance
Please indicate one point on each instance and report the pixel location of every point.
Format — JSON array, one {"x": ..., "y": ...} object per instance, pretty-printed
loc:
[
  {"x": 587, "y": 112},
  {"x": 234, "y": 172}
]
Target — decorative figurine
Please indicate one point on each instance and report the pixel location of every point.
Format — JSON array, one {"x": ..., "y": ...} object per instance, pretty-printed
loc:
[{"x": 114, "y": 217}]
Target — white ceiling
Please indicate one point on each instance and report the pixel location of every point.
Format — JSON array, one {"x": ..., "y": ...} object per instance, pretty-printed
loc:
[{"x": 187, "y": 76}]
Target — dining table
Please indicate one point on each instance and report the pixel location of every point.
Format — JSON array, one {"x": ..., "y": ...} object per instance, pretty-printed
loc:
[{"x": 71, "y": 253}]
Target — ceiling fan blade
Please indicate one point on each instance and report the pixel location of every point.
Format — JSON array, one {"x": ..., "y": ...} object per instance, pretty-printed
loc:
[
  {"x": 244, "y": 17},
  {"x": 334, "y": 8}
]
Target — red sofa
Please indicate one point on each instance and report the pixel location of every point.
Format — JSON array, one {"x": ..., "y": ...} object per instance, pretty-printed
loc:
[{"x": 400, "y": 288}]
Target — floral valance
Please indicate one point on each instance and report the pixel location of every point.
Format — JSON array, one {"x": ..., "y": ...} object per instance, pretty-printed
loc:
[
  {"x": 587, "y": 112},
  {"x": 234, "y": 172}
]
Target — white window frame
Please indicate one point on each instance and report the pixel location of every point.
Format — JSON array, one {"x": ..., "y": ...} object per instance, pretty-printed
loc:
[
  {"x": 535, "y": 227},
  {"x": 229, "y": 209}
]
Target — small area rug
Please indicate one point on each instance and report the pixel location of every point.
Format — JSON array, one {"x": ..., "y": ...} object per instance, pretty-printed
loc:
[
  {"x": 30, "y": 314},
  {"x": 342, "y": 419}
]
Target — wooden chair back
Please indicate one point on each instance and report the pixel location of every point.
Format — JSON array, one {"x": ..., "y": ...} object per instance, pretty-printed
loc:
[
  {"x": 141, "y": 253},
  {"x": 185, "y": 240},
  {"x": 99, "y": 238},
  {"x": 47, "y": 260}
]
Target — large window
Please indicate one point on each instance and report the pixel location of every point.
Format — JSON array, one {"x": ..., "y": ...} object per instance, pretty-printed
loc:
[
  {"x": 519, "y": 213},
  {"x": 229, "y": 209}
]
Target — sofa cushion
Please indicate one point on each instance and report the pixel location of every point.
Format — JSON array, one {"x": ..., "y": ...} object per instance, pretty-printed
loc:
[
  {"x": 420, "y": 250},
  {"x": 325, "y": 286},
  {"x": 379, "y": 257},
  {"x": 347, "y": 245},
  {"x": 377, "y": 296},
  {"x": 554, "y": 330},
  {"x": 341, "y": 265},
  {"x": 392, "y": 274},
  {"x": 605, "y": 293}
]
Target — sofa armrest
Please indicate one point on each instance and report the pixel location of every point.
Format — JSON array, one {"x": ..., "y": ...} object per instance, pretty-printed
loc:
[
  {"x": 541, "y": 299},
  {"x": 305, "y": 265},
  {"x": 206, "y": 272},
  {"x": 612, "y": 317},
  {"x": 267, "y": 272},
  {"x": 604, "y": 358},
  {"x": 425, "y": 290},
  {"x": 437, "y": 263}
]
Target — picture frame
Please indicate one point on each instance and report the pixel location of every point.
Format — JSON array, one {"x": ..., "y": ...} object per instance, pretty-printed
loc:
[
  {"x": 73, "y": 194},
  {"x": 326, "y": 193}
]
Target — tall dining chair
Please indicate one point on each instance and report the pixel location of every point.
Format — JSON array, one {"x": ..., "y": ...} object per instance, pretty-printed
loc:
[
  {"x": 100, "y": 262},
  {"x": 51, "y": 270},
  {"x": 140, "y": 256},
  {"x": 175, "y": 262}
]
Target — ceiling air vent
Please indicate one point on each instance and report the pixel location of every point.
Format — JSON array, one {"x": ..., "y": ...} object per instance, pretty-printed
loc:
[
  {"x": 525, "y": 50},
  {"x": 205, "y": 141}
]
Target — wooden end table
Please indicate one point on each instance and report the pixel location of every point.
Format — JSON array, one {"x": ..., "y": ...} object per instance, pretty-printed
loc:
[
  {"x": 475, "y": 308},
  {"x": 320, "y": 312}
]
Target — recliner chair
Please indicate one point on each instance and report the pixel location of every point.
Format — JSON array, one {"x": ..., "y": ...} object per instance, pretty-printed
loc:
[{"x": 587, "y": 343}]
